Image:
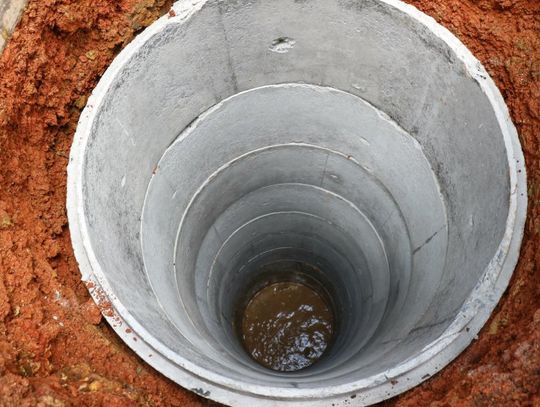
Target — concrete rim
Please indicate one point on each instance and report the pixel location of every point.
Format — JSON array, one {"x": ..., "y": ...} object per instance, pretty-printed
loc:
[{"x": 472, "y": 316}]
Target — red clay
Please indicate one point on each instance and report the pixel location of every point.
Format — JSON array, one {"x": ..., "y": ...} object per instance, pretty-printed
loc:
[{"x": 55, "y": 348}]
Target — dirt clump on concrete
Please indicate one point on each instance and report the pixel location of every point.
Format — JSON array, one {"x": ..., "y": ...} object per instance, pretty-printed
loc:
[{"x": 55, "y": 348}]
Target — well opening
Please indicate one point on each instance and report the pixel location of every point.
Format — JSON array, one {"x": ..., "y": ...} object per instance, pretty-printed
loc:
[{"x": 236, "y": 136}]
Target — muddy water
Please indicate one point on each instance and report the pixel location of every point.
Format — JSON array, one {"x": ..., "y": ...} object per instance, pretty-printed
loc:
[{"x": 287, "y": 326}]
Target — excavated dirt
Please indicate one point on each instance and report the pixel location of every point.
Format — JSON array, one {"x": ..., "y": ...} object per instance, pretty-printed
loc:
[{"x": 56, "y": 350}]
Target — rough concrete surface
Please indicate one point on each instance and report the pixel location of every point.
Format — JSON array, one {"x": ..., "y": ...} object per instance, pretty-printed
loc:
[{"x": 10, "y": 12}]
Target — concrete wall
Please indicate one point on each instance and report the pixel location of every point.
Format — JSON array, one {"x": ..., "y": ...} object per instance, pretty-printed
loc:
[{"x": 10, "y": 13}]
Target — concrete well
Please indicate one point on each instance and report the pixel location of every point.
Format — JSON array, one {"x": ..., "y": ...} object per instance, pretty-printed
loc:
[{"x": 357, "y": 136}]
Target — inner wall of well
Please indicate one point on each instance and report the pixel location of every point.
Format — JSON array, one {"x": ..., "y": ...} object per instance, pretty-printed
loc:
[
  {"x": 301, "y": 171},
  {"x": 385, "y": 58}
]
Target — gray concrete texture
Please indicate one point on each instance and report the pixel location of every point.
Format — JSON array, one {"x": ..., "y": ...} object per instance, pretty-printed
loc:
[
  {"x": 358, "y": 136},
  {"x": 10, "y": 14}
]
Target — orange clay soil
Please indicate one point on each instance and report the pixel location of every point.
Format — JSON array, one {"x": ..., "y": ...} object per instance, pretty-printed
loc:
[{"x": 56, "y": 350}]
